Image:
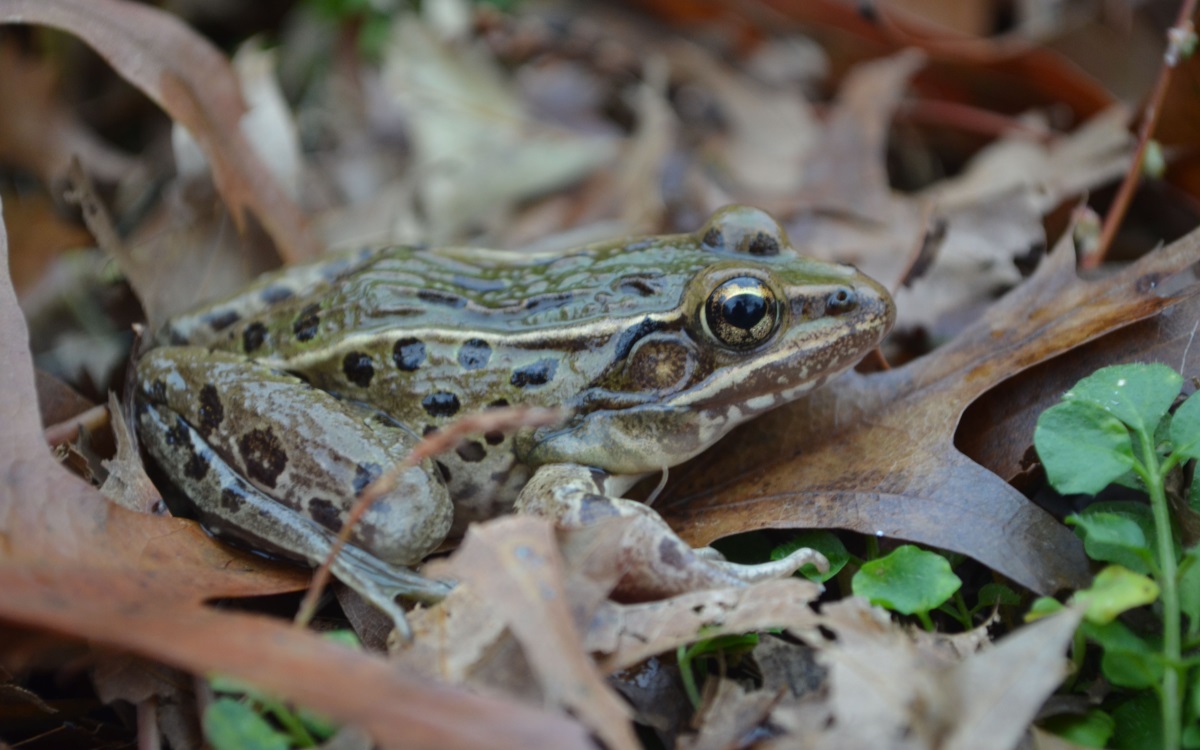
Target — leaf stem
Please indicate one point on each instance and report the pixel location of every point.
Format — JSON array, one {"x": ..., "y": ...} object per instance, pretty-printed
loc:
[
  {"x": 1168, "y": 584},
  {"x": 1120, "y": 204}
]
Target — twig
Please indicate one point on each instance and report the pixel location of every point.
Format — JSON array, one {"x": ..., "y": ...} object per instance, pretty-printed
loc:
[
  {"x": 1116, "y": 212},
  {"x": 493, "y": 420}
]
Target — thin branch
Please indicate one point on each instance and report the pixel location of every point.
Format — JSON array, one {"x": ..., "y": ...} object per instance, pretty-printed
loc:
[{"x": 1116, "y": 212}]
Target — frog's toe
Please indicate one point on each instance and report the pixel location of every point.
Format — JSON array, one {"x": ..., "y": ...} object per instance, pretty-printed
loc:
[
  {"x": 665, "y": 566},
  {"x": 776, "y": 568}
]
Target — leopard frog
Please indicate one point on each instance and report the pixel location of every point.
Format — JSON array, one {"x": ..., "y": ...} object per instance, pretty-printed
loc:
[{"x": 272, "y": 409}]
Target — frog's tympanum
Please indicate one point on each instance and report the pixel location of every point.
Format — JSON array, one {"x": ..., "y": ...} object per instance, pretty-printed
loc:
[{"x": 272, "y": 409}]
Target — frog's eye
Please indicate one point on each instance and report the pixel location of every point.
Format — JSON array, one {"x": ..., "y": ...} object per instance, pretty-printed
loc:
[{"x": 741, "y": 313}]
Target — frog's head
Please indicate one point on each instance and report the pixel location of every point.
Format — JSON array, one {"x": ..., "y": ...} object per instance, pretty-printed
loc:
[{"x": 757, "y": 325}]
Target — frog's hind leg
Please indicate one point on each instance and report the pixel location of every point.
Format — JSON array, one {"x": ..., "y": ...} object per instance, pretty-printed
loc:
[
  {"x": 658, "y": 563},
  {"x": 172, "y": 440}
]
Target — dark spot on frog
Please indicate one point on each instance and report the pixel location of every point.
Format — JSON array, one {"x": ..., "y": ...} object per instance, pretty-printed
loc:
[
  {"x": 495, "y": 437},
  {"x": 197, "y": 466},
  {"x": 593, "y": 508},
  {"x": 212, "y": 413},
  {"x": 538, "y": 373},
  {"x": 500, "y": 403},
  {"x": 642, "y": 286},
  {"x": 157, "y": 392},
  {"x": 441, "y": 404},
  {"x": 549, "y": 301},
  {"x": 635, "y": 333},
  {"x": 471, "y": 451},
  {"x": 443, "y": 469},
  {"x": 221, "y": 319},
  {"x": 307, "y": 324},
  {"x": 325, "y": 513},
  {"x": 264, "y": 456},
  {"x": 254, "y": 336},
  {"x": 436, "y": 297},
  {"x": 232, "y": 499},
  {"x": 358, "y": 368},
  {"x": 713, "y": 239},
  {"x": 274, "y": 294},
  {"x": 670, "y": 552},
  {"x": 763, "y": 244},
  {"x": 364, "y": 474},
  {"x": 178, "y": 435},
  {"x": 429, "y": 428},
  {"x": 474, "y": 354},
  {"x": 599, "y": 478},
  {"x": 409, "y": 354}
]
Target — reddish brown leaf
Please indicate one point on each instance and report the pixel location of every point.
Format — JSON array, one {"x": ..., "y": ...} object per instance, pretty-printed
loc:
[
  {"x": 190, "y": 79},
  {"x": 875, "y": 454}
]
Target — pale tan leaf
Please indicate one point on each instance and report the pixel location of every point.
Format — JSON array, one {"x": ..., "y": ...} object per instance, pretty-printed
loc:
[{"x": 193, "y": 82}]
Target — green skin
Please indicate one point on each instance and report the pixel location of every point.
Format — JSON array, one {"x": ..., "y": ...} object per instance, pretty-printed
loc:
[{"x": 272, "y": 409}]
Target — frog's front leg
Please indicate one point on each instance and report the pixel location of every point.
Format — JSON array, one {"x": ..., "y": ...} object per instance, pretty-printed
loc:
[
  {"x": 267, "y": 458},
  {"x": 660, "y": 564}
]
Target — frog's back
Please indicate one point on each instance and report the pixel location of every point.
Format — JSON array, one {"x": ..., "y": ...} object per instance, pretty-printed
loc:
[{"x": 501, "y": 327}]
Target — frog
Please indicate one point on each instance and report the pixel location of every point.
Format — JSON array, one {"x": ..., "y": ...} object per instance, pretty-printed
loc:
[{"x": 273, "y": 409}]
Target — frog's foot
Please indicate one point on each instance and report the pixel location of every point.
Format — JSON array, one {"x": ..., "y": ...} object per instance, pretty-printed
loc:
[
  {"x": 658, "y": 563},
  {"x": 244, "y": 508}
]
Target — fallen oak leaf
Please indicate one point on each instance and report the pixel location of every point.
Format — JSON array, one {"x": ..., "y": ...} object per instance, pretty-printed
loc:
[
  {"x": 875, "y": 454},
  {"x": 194, "y": 83},
  {"x": 513, "y": 566},
  {"x": 639, "y": 631},
  {"x": 74, "y": 564},
  {"x": 889, "y": 689},
  {"x": 996, "y": 428}
]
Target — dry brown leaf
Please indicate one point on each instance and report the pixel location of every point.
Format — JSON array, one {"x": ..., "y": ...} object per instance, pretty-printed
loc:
[
  {"x": 514, "y": 566},
  {"x": 885, "y": 690},
  {"x": 771, "y": 130},
  {"x": 846, "y": 173},
  {"x": 643, "y": 630},
  {"x": 477, "y": 151},
  {"x": 194, "y": 83},
  {"x": 996, "y": 428},
  {"x": 1000, "y": 690},
  {"x": 875, "y": 454},
  {"x": 729, "y": 713},
  {"x": 74, "y": 564},
  {"x": 127, "y": 484},
  {"x": 39, "y": 132}
]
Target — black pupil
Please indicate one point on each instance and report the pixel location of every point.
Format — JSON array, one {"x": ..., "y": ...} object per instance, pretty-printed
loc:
[{"x": 744, "y": 310}]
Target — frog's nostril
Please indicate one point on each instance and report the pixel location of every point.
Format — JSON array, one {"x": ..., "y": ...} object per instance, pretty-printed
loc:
[{"x": 842, "y": 299}]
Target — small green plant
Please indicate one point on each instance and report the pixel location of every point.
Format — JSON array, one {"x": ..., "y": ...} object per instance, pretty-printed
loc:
[
  {"x": 1114, "y": 426},
  {"x": 908, "y": 580},
  {"x": 238, "y": 717},
  {"x": 686, "y": 656}
]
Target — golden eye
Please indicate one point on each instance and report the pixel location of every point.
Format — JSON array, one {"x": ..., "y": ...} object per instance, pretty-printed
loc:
[{"x": 741, "y": 313}]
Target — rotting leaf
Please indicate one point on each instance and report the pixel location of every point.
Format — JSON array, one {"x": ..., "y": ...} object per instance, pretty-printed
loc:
[
  {"x": 875, "y": 454},
  {"x": 194, "y": 83}
]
